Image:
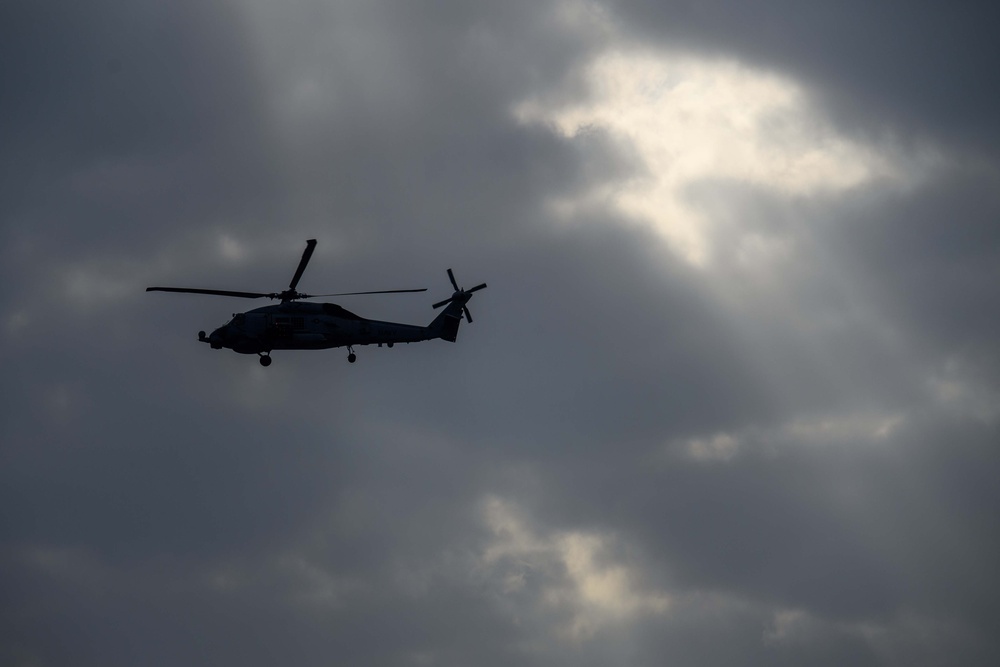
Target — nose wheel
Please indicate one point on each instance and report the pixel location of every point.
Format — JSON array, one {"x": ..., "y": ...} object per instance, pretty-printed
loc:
[
  {"x": 351, "y": 357},
  {"x": 265, "y": 360}
]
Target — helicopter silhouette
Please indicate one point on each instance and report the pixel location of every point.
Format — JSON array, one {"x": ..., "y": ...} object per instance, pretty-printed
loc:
[{"x": 291, "y": 325}]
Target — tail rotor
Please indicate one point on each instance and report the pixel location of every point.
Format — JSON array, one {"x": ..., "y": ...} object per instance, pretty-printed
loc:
[{"x": 461, "y": 296}]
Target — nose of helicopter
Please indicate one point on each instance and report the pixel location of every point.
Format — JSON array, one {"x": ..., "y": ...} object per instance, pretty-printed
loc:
[{"x": 217, "y": 338}]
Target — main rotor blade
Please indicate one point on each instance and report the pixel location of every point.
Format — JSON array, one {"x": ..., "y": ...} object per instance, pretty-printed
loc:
[
  {"x": 476, "y": 288},
  {"x": 468, "y": 315},
  {"x": 306, "y": 255},
  {"x": 384, "y": 291},
  {"x": 451, "y": 277},
  {"x": 217, "y": 292}
]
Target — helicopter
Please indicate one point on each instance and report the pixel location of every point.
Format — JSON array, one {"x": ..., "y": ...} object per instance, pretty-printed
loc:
[{"x": 292, "y": 325}]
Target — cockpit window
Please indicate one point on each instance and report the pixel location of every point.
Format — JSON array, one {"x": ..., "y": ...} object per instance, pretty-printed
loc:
[{"x": 239, "y": 319}]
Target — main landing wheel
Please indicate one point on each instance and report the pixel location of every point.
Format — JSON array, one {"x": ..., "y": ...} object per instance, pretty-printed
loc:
[
  {"x": 265, "y": 360},
  {"x": 352, "y": 357}
]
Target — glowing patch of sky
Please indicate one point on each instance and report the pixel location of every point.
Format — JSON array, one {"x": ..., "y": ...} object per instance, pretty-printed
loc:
[
  {"x": 691, "y": 119},
  {"x": 573, "y": 572},
  {"x": 232, "y": 249},
  {"x": 834, "y": 429},
  {"x": 956, "y": 388}
]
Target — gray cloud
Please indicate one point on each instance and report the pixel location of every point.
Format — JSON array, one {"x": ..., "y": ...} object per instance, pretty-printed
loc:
[{"x": 626, "y": 459}]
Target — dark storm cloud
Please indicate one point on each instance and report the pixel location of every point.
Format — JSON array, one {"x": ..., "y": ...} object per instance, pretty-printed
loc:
[
  {"x": 839, "y": 508},
  {"x": 121, "y": 120},
  {"x": 409, "y": 128}
]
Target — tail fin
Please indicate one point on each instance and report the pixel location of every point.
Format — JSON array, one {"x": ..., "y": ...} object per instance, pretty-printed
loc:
[{"x": 445, "y": 325}]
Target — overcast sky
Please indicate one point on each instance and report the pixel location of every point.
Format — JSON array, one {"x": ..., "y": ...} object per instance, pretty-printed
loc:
[{"x": 732, "y": 396}]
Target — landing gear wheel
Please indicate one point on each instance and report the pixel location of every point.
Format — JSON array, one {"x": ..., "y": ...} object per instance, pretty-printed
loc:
[
  {"x": 265, "y": 360},
  {"x": 351, "y": 358}
]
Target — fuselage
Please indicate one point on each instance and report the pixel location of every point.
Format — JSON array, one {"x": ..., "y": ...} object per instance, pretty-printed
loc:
[{"x": 297, "y": 325}]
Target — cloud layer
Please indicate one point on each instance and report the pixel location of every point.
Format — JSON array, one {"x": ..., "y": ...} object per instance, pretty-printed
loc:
[{"x": 732, "y": 396}]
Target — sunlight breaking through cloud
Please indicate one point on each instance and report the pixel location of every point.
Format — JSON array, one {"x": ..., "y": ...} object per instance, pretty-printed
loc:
[
  {"x": 572, "y": 569},
  {"x": 690, "y": 119},
  {"x": 860, "y": 429}
]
